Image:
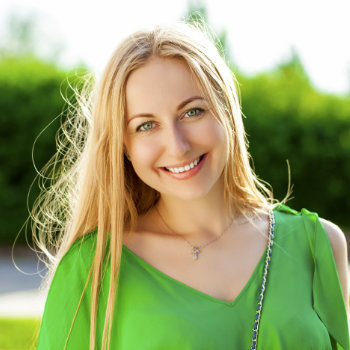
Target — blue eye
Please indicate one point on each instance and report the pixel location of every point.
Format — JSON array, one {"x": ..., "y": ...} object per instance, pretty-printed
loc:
[
  {"x": 194, "y": 112},
  {"x": 145, "y": 126}
]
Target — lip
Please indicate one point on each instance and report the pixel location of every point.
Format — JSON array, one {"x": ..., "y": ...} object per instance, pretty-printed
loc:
[{"x": 186, "y": 174}]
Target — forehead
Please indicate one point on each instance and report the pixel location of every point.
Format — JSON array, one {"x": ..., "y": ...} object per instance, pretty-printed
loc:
[{"x": 161, "y": 83}]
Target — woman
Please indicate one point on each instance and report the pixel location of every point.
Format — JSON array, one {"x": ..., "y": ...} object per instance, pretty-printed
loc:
[{"x": 169, "y": 241}]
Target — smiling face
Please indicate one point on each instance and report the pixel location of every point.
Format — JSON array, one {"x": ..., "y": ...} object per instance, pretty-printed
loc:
[{"x": 175, "y": 143}]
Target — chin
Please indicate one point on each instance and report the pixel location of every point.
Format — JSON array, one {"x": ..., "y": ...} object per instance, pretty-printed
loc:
[{"x": 188, "y": 194}]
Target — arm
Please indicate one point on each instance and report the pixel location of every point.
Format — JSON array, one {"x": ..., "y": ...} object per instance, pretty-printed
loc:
[{"x": 339, "y": 246}]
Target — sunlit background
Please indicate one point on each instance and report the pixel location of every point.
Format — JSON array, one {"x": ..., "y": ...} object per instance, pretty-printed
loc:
[
  {"x": 292, "y": 60},
  {"x": 260, "y": 34}
]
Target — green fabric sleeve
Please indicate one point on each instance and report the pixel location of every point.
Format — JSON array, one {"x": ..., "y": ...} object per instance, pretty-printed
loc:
[{"x": 328, "y": 297}]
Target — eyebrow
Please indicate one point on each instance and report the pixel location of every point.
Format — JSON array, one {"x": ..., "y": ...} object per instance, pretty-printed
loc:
[{"x": 180, "y": 106}]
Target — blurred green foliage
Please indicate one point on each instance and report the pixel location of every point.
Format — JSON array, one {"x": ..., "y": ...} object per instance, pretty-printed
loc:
[
  {"x": 29, "y": 100},
  {"x": 286, "y": 118}
]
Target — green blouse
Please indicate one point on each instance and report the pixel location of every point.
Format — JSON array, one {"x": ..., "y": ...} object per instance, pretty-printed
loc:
[{"x": 303, "y": 304}]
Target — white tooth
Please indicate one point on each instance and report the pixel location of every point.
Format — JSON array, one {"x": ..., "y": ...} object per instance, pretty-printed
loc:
[{"x": 185, "y": 168}]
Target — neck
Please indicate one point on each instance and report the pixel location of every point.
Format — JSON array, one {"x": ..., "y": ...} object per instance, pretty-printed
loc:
[{"x": 205, "y": 216}]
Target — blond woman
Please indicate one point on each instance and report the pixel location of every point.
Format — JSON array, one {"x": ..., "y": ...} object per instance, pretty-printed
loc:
[{"x": 161, "y": 235}]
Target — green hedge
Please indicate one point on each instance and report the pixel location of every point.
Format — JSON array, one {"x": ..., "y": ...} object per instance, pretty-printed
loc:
[
  {"x": 29, "y": 100},
  {"x": 286, "y": 118}
]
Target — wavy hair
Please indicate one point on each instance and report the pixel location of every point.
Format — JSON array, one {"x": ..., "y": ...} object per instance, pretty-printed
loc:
[{"x": 94, "y": 183}]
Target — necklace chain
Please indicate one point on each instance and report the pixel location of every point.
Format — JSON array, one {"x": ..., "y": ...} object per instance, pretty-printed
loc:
[
  {"x": 264, "y": 279},
  {"x": 195, "y": 249}
]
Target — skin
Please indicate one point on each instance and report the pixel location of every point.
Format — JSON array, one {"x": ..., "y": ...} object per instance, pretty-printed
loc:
[
  {"x": 160, "y": 134},
  {"x": 339, "y": 246},
  {"x": 153, "y": 95}
]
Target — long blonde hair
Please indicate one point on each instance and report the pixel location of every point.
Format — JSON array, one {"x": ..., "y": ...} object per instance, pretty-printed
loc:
[{"x": 96, "y": 185}]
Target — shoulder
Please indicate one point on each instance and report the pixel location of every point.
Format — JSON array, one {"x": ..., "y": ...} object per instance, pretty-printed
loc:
[
  {"x": 336, "y": 237},
  {"x": 311, "y": 220},
  {"x": 339, "y": 246},
  {"x": 76, "y": 262},
  {"x": 72, "y": 270},
  {"x": 291, "y": 218},
  {"x": 314, "y": 227},
  {"x": 335, "y": 234},
  {"x": 83, "y": 247},
  {"x": 66, "y": 296}
]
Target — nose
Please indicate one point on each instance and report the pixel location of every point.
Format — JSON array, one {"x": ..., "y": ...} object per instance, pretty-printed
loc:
[{"x": 177, "y": 141}]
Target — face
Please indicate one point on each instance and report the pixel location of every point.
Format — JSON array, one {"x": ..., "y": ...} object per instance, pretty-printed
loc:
[{"x": 175, "y": 143}]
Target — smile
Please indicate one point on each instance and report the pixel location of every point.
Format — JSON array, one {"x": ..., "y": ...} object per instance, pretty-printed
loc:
[
  {"x": 185, "y": 171},
  {"x": 186, "y": 167}
]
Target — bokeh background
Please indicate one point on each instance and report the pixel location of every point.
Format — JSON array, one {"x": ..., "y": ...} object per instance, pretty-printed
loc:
[{"x": 291, "y": 59}]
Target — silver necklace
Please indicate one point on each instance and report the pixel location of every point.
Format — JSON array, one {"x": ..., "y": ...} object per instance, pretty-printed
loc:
[{"x": 195, "y": 249}]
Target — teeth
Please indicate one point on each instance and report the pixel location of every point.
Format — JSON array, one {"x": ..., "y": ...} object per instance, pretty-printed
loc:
[{"x": 185, "y": 168}]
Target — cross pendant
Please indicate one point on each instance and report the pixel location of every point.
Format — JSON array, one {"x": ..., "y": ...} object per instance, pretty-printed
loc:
[{"x": 195, "y": 252}]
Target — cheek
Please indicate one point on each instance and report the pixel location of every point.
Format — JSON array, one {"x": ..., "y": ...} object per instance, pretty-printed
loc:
[
  {"x": 212, "y": 133},
  {"x": 216, "y": 140},
  {"x": 144, "y": 154}
]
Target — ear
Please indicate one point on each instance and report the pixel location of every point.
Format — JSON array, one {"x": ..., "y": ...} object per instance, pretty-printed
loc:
[{"x": 127, "y": 155}]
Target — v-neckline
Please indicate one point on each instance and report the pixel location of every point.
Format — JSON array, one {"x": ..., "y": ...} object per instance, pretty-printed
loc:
[{"x": 196, "y": 291}]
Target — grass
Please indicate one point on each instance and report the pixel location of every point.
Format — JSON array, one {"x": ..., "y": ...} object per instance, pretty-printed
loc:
[{"x": 19, "y": 333}]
